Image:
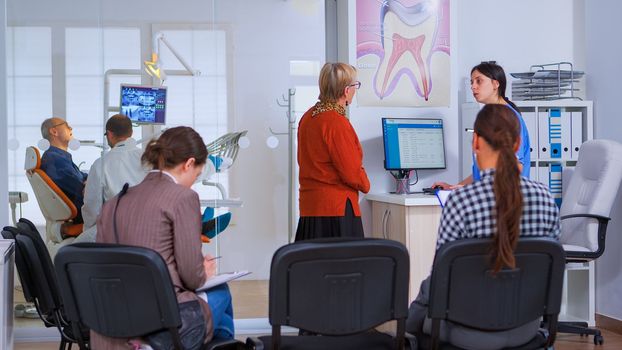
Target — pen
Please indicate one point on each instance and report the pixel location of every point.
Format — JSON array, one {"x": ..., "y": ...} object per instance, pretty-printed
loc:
[
  {"x": 214, "y": 258},
  {"x": 468, "y": 130}
]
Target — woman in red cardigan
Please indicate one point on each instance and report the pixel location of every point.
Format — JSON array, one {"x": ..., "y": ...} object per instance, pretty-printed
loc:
[{"x": 330, "y": 158}]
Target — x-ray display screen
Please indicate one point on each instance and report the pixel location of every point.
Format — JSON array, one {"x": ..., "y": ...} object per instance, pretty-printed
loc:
[
  {"x": 144, "y": 104},
  {"x": 411, "y": 143}
]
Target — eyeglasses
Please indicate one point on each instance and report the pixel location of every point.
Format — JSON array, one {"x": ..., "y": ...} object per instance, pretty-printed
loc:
[
  {"x": 356, "y": 85},
  {"x": 63, "y": 123}
]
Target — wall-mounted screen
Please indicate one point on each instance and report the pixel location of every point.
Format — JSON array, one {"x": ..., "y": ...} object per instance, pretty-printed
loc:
[
  {"x": 411, "y": 143},
  {"x": 144, "y": 104}
]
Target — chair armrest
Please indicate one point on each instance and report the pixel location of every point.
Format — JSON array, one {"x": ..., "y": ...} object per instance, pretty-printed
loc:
[
  {"x": 600, "y": 218},
  {"x": 254, "y": 343},
  {"x": 579, "y": 256}
]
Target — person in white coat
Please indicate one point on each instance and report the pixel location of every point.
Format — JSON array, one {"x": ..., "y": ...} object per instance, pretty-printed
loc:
[{"x": 110, "y": 172}]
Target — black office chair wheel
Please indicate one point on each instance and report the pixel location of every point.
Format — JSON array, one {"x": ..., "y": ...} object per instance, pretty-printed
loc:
[{"x": 599, "y": 340}]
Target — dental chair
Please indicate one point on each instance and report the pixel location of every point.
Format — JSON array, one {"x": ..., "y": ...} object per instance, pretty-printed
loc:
[
  {"x": 222, "y": 153},
  {"x": 56, "y": 207}
]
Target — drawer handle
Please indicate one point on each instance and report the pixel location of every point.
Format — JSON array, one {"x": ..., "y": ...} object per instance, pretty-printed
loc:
[{"x": 384, "y": 223}]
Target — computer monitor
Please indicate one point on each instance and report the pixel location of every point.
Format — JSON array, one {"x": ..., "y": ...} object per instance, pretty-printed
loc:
[
  {"x": 411, "y": 143},
  {"x": 144, "y": 104}
]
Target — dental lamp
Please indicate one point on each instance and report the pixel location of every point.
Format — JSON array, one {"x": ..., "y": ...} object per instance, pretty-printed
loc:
[{"x": 154, "y": 67}]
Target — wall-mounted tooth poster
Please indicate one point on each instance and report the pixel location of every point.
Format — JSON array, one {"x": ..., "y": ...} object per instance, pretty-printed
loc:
[{"x": 402, "y": 53}]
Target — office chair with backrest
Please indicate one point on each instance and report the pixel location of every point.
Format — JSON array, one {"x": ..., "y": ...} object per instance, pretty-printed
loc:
[
  {"x": 585, "y": 210},
  {"x": 121, "y": 291},
  {"x": 464, "y": 291},
  {"x": 40, "y": 286},
  {"x": 55, "y": 206},
  {"x": 340, "y": 289}
]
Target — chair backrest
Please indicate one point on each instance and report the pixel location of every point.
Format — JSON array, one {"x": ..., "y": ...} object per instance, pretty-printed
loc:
[
  {"x": 35, "y": 270},
  {"x": 118, "y": 291},
  {"x": 54, "y": 204},
  {"x": 23, "y": 272},
  {"x": 27, "y": 228},
  {"x": 592, "y": 189},
  {"x": 338, "y": 287},
  {"x": 464, "y": 291}
]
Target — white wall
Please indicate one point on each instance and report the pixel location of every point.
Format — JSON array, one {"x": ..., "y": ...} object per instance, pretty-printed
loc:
[
  {"x": 604, "y": 70},
  {"x": 516, "y": 34},
  {"x": 4, "y": 169},
  {"x": 265, "y": 36}
]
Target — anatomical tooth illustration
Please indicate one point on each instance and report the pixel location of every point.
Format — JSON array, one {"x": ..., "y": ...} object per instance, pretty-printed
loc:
[
  {"x": 410, "y": 39},
  {"x": 414, "y": 42}
]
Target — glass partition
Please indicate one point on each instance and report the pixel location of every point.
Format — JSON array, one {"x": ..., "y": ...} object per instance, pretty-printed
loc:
[{"x": 229, "y": 67}]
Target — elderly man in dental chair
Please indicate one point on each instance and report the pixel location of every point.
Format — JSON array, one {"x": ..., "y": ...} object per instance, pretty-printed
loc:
[
  {"x": 58, "y": 164},
  {"x": 57, "y": 183}
]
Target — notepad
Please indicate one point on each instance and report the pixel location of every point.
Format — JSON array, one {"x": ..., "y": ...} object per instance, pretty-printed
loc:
[
  {"x": 442, "y": 196},
  {"x": 222, "y": 278}
]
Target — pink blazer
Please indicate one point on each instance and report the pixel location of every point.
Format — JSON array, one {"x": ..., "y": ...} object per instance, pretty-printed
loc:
[{"x": 166, "y": 217}]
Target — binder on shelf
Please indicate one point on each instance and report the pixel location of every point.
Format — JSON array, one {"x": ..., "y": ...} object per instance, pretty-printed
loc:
[
  {"x": 533, "y": 172},
  {"x": 543, "y": 135},
  {"x": 542, "y": 175},
  {"x": 566, "y": 124},
  {"x": 531, "y": 123},
  {"x": 576, "y": 138},
  {"x": 555, "y": 182},
  {"x": 555, "y": 133}
]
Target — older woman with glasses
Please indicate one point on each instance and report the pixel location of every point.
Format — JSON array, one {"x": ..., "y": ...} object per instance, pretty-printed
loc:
[{"x": 331, "y": 160}]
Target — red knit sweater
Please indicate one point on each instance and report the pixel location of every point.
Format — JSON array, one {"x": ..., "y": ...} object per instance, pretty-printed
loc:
[{"x": 331, "y": 165}]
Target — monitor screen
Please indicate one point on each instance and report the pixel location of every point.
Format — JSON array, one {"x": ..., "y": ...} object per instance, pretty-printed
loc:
[
  {"x": 411, "y": 143},
  {"x": 144, "y": 104}
]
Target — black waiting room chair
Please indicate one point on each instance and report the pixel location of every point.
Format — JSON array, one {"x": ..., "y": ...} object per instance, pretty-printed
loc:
[
  {"x": 121, "y": 291},
  {"x": 340, "y": 289},
  {"x": 39, "y": 283},
  {"x": 464, "y": 292}
]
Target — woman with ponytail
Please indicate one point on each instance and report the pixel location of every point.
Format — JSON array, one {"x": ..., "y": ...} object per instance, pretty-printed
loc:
[
  {"x": 488, "y": 84},
  {"x": 163, "y": 213},
  {"x": 503, "y": 206}
]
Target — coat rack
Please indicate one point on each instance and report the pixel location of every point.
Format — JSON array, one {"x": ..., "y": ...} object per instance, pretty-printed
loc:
[{"x": 292, "y": 179}]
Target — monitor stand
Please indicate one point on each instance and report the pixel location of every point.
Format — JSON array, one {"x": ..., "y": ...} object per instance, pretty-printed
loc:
[{"x": 402, "y": 181}]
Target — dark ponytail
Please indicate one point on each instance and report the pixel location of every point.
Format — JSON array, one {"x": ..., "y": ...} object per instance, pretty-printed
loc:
[
  {"x": 495, "y": 72},
  {"x": 173, "y": 147},
  {"x": 498, "y": 125}
]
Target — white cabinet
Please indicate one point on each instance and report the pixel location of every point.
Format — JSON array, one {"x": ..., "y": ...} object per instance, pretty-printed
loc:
[{"x": 412, "y": 220}]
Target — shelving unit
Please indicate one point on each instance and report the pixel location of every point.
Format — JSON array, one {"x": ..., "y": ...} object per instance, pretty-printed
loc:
[{"x": 535, "y": 113}]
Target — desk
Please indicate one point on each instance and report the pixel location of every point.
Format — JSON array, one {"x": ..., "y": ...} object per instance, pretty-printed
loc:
[
  {"x": 412, "y": 220},
  {"x": 7, "y": 263}
]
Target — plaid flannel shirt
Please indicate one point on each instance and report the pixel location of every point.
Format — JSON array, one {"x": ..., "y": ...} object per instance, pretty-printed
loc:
[{"x": 470, "y": 211}]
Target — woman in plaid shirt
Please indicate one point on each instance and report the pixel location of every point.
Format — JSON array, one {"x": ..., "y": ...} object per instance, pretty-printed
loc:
[{"x": 503, "y": 205}]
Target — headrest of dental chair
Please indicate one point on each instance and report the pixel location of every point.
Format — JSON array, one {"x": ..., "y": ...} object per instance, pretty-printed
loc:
[
  {"x": 33, "y": 159},
  {"x": 226, "y": 147}
]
